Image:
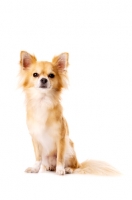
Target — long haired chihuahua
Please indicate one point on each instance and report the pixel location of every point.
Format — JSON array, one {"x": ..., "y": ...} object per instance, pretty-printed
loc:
[{"x": 42, "y": 83}]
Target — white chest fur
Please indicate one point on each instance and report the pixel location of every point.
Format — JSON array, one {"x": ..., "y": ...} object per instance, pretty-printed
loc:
[{"x": 39, "y": 112}]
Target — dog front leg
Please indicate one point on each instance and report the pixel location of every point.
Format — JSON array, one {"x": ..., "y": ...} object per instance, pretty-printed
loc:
[
  {"x": 60, "y": 156},
  {"x": 37, "y": 150}
]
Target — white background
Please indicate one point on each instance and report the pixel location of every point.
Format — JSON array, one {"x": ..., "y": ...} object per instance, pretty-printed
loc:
[{"x": 98, "y": 104}]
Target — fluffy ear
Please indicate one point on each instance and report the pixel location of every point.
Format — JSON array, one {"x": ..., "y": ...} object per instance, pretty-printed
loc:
[
  {"x": 61, "y": 61},
  {"x": 26, "y": 59}
]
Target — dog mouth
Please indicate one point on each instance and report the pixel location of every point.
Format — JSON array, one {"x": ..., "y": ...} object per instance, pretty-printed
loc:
[{"x": 43, "y": 86}]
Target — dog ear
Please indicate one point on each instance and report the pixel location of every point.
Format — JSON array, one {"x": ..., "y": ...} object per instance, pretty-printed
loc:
[
  {"x": 26, "y": 59},
  {"x": 61, "y": 61}
]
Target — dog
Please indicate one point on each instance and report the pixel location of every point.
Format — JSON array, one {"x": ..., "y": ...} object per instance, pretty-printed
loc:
[{"x": 42, "y": 83}]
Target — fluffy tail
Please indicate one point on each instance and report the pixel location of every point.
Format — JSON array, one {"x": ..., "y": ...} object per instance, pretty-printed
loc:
[{"x": 96, "y": 168}]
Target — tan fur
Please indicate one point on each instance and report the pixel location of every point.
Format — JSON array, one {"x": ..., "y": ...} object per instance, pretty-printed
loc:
[
  {"x": 37, "y": 150},
  {"x": 47, "y": 126}
]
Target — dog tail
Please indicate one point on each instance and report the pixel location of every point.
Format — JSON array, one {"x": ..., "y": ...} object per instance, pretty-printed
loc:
[{"x": 96, "y": 168}]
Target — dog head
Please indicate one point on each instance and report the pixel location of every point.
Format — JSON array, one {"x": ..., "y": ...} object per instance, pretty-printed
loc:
[{"x": 43, "y": 76}]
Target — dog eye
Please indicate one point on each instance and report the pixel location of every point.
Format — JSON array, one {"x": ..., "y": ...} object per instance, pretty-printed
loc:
[
  {"x": 35, "y": 74},
  {"x": 51, "y": 75}
]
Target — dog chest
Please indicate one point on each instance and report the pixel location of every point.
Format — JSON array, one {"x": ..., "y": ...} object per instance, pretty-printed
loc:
[{"x": 46, "y": 136}]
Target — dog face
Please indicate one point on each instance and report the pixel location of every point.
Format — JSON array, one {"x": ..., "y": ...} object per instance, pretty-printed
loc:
[{"x": 43, "y": 75}]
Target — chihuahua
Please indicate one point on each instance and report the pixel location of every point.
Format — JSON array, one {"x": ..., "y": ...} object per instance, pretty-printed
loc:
[{"x": 42, "y": 83}]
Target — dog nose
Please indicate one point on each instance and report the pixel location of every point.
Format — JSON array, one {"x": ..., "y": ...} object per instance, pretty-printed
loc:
[{"x": 43, "y": 80}]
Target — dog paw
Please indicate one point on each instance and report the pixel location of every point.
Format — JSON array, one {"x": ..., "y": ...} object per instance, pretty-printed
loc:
[
  {"x": 32, "y": 170},
  {"x": 60, "y": 170},
  {"x": 35, "y": 168},
  {"x": 69, "y": 170}
]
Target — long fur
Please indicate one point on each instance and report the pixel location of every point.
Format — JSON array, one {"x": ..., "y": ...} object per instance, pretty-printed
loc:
[
  {"x": 42, "y": 83},
  {"x": 96, "y": 168}
]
